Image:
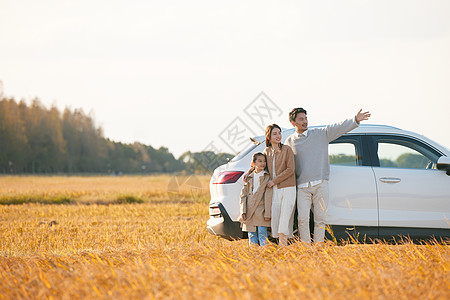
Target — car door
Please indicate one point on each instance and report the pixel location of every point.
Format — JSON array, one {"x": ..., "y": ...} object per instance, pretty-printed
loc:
[
  {"x": 413, "y": 196},
  {"x": 352, "y": 208}
]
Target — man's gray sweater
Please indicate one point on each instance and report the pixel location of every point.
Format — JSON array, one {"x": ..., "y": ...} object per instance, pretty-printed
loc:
[{"x": 311, "y": 152}]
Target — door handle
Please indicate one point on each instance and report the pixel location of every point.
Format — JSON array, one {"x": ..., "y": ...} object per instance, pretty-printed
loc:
[{"x": 390, "y": 179}]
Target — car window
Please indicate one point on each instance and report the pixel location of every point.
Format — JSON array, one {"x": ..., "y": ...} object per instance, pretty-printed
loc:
[
  {"x": 345, "y": 151},
  {"x": 244, "y": 152},
  {"x": 399, "y": 152}
]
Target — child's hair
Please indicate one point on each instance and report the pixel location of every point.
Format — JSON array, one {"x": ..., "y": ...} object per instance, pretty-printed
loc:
[{"x": 255, "y": 156}]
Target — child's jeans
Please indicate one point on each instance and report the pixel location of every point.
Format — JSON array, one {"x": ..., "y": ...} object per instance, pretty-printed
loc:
[{"x": 259, "y": 237}]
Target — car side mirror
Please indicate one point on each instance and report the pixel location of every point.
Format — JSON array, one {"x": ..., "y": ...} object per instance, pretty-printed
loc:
[{"x": 443, "y": 163}]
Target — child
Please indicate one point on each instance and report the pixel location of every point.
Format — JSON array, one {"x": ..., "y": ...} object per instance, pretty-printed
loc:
[{"x": 256, "y": 202}]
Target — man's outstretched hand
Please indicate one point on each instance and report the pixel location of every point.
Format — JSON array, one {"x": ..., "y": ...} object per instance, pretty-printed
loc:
[{"x": 362, "y": 116}]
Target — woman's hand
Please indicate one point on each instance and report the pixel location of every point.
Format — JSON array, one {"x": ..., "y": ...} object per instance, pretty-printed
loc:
[
  {"x": 270, "y": 184},
  {"x": 244, "y": 217}
]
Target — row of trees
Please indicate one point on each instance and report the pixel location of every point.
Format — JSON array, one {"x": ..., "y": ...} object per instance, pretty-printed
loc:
[
  {"x": 34, "y": 139},
  {"x": 405, "y": 161}
]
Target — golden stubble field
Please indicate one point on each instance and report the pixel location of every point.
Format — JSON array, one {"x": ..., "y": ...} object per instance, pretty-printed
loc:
[{"x": 151, "y": 243}]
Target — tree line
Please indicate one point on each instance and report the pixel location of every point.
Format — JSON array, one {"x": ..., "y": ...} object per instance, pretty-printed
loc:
[
  {"x": 35, "y": 139},
  {"x": 405, "y": 161}
]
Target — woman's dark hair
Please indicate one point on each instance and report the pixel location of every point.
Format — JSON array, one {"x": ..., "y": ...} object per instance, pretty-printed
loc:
[
  {"x": 255, "y": 156},
  {"x": 269, "y": 130},
  {"x": 293, "y": 114}
]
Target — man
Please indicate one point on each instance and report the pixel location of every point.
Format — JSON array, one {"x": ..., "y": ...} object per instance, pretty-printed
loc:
[{"x": 312, "y": 167}]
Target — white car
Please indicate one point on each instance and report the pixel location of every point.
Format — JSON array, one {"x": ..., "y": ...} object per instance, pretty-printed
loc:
[{"x": 384, "y": 183}]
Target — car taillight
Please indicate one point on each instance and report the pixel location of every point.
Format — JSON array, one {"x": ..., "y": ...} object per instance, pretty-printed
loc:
[
  {"x": 214, "y": 211},
  {"x": 228, "y": 177}
]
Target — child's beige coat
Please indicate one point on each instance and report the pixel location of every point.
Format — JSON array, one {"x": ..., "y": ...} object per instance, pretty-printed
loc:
[{"x": 256, "y": 206}]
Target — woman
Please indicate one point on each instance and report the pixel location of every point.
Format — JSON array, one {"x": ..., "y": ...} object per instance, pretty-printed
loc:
[{"x": 281, "y": 166}]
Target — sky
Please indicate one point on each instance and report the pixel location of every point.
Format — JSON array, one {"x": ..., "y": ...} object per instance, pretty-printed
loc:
[{"x": 187, "y": 74}]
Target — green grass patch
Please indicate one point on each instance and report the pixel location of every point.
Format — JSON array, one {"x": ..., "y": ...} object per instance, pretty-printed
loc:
[
  {"x": 36, "y": 199},
  {"x": 126, "y": 199},
  {"x": 139, "y": 198}
]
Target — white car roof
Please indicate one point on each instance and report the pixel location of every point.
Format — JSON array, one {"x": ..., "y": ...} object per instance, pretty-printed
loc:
[
  {"x": 373, "y": 129},
  {"x": 363, "y": 128}
]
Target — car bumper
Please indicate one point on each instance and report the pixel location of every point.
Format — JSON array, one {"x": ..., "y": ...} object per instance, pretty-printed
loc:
[{"x": 222, "y": 225}]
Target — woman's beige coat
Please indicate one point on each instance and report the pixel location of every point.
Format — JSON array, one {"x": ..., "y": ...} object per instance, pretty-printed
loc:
[
  {"x": 256, "y": 206},
  {"x": 284, "y": 166}
]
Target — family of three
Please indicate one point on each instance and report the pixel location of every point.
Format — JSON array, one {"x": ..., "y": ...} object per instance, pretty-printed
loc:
[{"x": 287, "y": 175}]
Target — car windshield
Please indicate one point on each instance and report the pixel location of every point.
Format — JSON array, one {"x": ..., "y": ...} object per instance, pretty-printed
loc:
[{"x": 244, "y": 152}]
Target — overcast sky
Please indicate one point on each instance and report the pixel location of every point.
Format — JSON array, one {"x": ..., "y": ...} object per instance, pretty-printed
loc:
[{"x": 178, "y": 73}]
